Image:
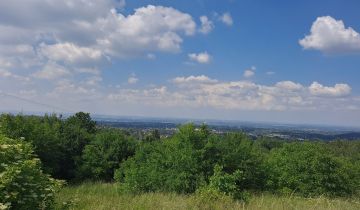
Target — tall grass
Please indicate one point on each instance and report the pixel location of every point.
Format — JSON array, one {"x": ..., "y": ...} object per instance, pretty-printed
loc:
[{"x": 99, "y": 196}]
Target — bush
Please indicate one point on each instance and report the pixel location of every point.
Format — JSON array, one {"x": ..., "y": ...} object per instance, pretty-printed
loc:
[
  {"x": 58, "y": 143},
  {"x": 22, "y": 183},
  {"x": 222, "y": 183},
  {"x": 309, "y": 169},
  {"x": 235, "y": 152},
  {"x": 161, "y": 166},
  {"x": 104, "y": 154},
  {"x": 42, "y": 132},
  {"x": 171, "y": 165}
]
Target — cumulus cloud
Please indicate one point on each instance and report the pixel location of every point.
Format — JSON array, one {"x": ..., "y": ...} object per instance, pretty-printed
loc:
[
  {"x": 249, "y": 72},
  {"x": 84, "y": 33},
  {"x": 202, "y": 91},
  {"x": 206, "y": 25},
  {"x": 74, "y": 40},
  {"x": 150, "y": 28},
  {"x": 51, "y": 71},
  {"x": 193, "y": 79},
  {"x": 339, "y": 90},
  {"x": 5, "y": 73},
  {"x": 202, "y": 58},
  {"x": 226, "y": 19},
  {"x": 289, "y": 85},
  {"x": 331, "y": 36},
  {"x": 69, "y": 52},
  {"x": 133, "y": 79}
]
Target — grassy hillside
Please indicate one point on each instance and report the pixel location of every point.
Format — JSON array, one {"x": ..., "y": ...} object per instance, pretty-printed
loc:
[{"x": 108, "y": 196}]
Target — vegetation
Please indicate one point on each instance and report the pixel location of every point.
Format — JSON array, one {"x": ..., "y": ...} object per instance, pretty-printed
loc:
[
  {"x": 22, "y": 183},
  {"x": 103, "y": 155},
  {"x": 194, "y": 166},
  {"x": 310, "y": 170},
  {"x": 110, "y": 196}
]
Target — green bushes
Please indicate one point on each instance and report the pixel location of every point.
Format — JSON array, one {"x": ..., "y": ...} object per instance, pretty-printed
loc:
[
  {"x": 103, "y": 155},
  {"x": 222, "y": 183},
  {"x": 186, "y": 161},
  {"x": 310, "y": 170},
  {"x": 58, "y": 143},
  {"x": 193, "y": 160},
  {"x": 22, "y": 183},
  {"x": 168, "y": 166}
]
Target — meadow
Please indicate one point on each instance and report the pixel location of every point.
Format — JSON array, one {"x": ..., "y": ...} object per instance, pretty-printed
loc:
[{"x": 103, "y": 196}]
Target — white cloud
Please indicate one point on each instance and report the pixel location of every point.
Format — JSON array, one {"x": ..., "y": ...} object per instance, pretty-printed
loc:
[
  {"x": 133, "y": 79},
  {"x": 69, "y": 52},
  {"x": 5, "y": 73},
  {"x": 289, "y": 85},
  {"x": 202, "y": 58},
  {"x": 151, "y": 56},
  {"x": 206, "y": 25},
  {"x": 193, "y": 79},
  {"x": 93, "y": 80},
  {"x": 202, "y": 91},
  {"x": 75, "y": 40},
  {"x": 5, "y": 63},
  {"x": 84, "y": 33},
  {"x": 249, "y": 72},
  {"x": 339, "y": 90},
  {"x": 331, "y": 36},
  {"x": 226, "y": 19},
  {"x": 151, "y": 28},
  {"x": 94, "y": 71},
  {"x": 52, "y": 71}
]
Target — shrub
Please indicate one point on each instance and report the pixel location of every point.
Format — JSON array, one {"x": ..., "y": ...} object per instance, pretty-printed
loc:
[
  {"x": 42, "y": 132},
  {"x": 58, "y": 143},
  {"x": 161, "y": 166},
  {"x": 104, "y": 154},
  {"x": 309, "y": 169},
  {"x": 171, "y": 165},
  {"x": 222, "y": 183},
  {"x": 235, "y": 152},
  {"x": 22, "y": 183}
]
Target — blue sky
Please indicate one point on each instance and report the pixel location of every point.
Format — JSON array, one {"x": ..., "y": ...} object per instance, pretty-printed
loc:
[{"x": 276, "y": 61}]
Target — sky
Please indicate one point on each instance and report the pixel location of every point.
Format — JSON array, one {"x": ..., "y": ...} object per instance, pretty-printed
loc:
[{"x": 247, "y": 60}]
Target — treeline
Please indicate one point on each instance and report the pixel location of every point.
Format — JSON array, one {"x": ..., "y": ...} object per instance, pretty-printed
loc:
[{"x": 194, "y": 160}]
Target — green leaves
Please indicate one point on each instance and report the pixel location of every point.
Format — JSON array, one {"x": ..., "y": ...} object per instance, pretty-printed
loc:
[
  {"x": 105, "y": 154},
  {"x": 22, "y": 183},
  {"x": 310, "y": 170}
]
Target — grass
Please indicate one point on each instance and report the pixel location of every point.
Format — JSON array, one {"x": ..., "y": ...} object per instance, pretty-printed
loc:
[{"x": 109, "y": 196}]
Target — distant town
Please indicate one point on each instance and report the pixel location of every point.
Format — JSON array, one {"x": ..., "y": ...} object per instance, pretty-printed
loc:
[{"x": 167, "y": 127}]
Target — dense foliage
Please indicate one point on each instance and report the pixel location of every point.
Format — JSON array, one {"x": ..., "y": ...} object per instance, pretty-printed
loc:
[
  {"x": 23, "y": 185},
  {"x": 103, "y": 155},
  {"x": 170, "y": 165},
  {"x": 193, "y": 160},
  {"x": 310, "y": 169}
]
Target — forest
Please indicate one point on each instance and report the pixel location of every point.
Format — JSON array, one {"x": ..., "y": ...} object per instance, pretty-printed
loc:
[{"x": 41, "y": 155}]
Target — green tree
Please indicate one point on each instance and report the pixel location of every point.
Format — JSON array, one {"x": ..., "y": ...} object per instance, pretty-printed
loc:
[
  {"x": 77, "y": 131},
  {"x": 309, "y": 169},
  {"x": 234, "y": 152},
  {"x": 171, "y": 165},
  {"x": 23, "y": 185},
  {"x": 42, "y": 132},
  {"x": 105, "y": 153}
]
